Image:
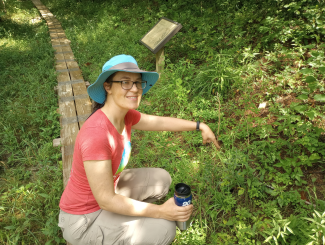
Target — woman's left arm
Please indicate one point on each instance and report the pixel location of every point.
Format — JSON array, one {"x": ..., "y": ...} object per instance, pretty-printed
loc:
[{"x": 156, "y": 123}]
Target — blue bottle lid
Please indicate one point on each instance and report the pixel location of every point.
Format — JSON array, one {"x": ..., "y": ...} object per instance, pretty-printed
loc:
[{"x": 182, "y": 190}]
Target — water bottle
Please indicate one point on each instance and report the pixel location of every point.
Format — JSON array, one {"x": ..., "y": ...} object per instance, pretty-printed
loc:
[{"x": 182, "y": 197}]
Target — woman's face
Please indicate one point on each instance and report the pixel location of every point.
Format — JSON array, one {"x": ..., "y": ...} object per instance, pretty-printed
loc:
[{"x": 126, "y": 99}]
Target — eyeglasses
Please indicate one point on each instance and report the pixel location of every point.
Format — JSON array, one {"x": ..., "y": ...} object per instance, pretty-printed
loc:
[{"x": 129, "y": 84}]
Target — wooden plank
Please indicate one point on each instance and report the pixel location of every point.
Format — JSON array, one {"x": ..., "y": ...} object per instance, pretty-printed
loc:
[
  {"x": 67, "y": 110},
  {"x": 60, "y": 66},
  {"x": 66, "y": 49},
  {"x": 59, "y": 56},
  {"x": 52, "y": 24},
  {"x": 83, "y": 105},
  {"x": 43, "y": 12},
  {"x": 65, "y": 91},
  {"x": 79, "y": 89},
  {"x": 49, "y": 15},
  {"x": 54, "y": 35},
  {"x": 57, "y": 142},
  {"x": 63, "y": 76},
  {"x": 61, "y": 35},
  {"x": 72, "y": 64},
  {"x": 69, "y": 132},
  {"x": 66, "y": 166},
  {"x": 69, "y": 56},
  {"x": 75, "y": 75},
  {"x": 55, "y": 42},
  {"x": 57, "y": 49},
  {"x": 64, "y": 41}
]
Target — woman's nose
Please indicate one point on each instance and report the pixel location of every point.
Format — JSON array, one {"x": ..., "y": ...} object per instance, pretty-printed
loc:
[{"x": 134, "y": 88}]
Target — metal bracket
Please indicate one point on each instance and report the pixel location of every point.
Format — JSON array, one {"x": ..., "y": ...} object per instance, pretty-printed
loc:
[
  {"x": 76, "y": 119},
  {"x": 72, "y": 98},
  {"x": 63, "y": 52},
  {"x": 60, "y": 45},
  {"x": 70, "y": 82},
  {"x": 72, "y": 69}
]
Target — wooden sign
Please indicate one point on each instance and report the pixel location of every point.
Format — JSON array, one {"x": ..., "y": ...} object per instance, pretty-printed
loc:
[{"x": 160, "y": 34}]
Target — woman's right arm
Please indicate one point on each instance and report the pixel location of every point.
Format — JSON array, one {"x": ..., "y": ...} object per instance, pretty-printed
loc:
[{"x": 100, "y": 178}]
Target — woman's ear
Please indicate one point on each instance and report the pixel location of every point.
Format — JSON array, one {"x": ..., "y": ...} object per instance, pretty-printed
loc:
[{"x": 107, "y": 87}]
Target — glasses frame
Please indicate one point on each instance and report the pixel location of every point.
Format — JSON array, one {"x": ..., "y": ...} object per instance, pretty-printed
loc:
[{"x": 136, "y": 84}]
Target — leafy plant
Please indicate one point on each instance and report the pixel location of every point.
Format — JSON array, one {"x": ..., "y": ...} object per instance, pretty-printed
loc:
[
  {"x": 278, "y": 231},
  {"x": 317, "y": 228}
]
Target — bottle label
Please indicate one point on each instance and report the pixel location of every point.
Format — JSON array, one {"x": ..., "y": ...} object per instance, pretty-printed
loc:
[
  {"x": 183, "y": 201},
  {"x": 186, "y": 203}
]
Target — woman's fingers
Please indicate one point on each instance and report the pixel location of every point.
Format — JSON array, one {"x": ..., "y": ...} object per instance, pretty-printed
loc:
[
  {"x": 208, "y": 137},
  {"x": 215, "y": 142},
  {"x": 171, "y": 211},
  {"x": 185, "y": 209},
  {"x": 185, "y": 213},
  {"x": 182, "y": 219}
]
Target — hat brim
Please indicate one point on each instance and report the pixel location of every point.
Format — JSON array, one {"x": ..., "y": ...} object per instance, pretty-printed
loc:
[{"x": 96, "y": 90}]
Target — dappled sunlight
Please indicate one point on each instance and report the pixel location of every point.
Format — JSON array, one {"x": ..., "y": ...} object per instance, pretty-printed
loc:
[
  {"x": 11, "y": 43},
  {"x": 267, "y": 176}
]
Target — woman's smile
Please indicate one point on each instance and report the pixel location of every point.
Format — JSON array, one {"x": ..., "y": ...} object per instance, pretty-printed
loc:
[{"x": 132, "y": 97}]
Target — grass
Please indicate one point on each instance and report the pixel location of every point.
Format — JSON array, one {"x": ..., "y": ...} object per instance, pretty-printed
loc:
[
  {"x": 228, "y": 58},
  {"x": 29, "y": 184}
]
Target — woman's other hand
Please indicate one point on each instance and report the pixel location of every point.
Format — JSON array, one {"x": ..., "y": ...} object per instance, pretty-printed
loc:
[
  {"x": 170, "y": 211},
  {"x": 207, "y": 135}
]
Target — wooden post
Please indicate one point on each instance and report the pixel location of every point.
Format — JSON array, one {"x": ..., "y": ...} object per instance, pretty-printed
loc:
[{"x": 160, "y": 61}]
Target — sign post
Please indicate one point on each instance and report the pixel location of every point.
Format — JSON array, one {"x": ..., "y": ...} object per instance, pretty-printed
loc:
[
  {"x": 157, "y": 37},
  {"x": 160, "y": 60}
]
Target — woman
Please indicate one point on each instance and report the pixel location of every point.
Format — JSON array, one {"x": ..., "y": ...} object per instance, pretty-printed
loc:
[{"x": 102, "y": 203}]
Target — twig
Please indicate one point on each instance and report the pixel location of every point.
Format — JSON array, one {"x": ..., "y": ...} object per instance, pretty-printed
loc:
[
  {"x": 247, "y": 132},
  {"x": 219, "y": 104},
  {"x": 4, "y": 6},
  {"x": 4, "y": 165}
]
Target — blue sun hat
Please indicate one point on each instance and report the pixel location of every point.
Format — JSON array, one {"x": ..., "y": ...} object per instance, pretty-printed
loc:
[{"x": 121, "y": 62}]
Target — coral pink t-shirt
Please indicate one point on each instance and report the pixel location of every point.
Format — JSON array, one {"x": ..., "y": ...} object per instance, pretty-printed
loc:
[{"x": 97, "y": 139}]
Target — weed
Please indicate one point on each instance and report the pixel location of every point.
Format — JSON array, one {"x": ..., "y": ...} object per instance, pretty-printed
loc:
[{"x": 229, "y": 57}]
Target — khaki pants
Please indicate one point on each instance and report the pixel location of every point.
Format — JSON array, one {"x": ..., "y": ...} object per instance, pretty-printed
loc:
[{"x": 106, "y": 228}]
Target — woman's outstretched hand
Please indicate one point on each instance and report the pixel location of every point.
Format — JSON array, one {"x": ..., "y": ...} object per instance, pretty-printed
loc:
[
  {"x": 207, "y": 135},
  {"x": 170, "y": 211}
]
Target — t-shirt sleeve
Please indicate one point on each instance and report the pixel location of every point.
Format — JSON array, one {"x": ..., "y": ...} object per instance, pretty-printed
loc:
[
  {"x": 133, "y": 117},
  {"x": 94, "y": 144}
]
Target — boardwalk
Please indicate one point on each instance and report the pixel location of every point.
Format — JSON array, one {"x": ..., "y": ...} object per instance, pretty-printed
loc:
[{"x": 74, "y": 102}]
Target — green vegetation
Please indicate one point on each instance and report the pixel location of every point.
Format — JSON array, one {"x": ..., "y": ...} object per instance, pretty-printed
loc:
[
  {"x": 229, "y": 57},
  {"x": 30, "y": 179}
]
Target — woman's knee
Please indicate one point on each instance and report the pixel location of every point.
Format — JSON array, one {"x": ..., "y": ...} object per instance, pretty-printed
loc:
[
  {"x": 164, "y": 176},
  {"x": 160, "y": 183}
]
